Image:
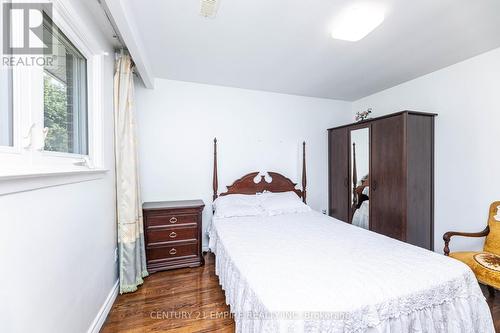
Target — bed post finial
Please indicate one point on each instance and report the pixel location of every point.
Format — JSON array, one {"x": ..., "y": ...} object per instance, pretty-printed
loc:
[
  {"x": 304, "y": 177},
  {"x": 215, "y": 179}
]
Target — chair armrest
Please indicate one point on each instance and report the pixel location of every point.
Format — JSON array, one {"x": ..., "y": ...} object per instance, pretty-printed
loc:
[{"x": 447, "y": 237}]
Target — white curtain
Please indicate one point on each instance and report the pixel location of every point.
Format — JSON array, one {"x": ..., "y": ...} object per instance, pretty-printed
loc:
[{"x": 132, "y": 258}]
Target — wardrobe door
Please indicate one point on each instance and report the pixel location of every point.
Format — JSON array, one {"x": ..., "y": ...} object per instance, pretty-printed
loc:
[
  {"x": 338, "y": 168},
  {"x": 388, "y": 195},
  {"x": 420, "y": 181}
]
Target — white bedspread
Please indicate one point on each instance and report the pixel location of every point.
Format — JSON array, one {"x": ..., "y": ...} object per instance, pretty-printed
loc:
[
  {"x": 311, "y": 273},
  {"x": 361, "y": 217}
]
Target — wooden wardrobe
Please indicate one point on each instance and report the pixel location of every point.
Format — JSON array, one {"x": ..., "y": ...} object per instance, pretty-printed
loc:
[{"x": 393, "y": 155}]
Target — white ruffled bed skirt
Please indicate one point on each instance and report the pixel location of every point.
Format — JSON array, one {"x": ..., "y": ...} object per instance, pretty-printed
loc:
[{"x": 466, "y": 312}]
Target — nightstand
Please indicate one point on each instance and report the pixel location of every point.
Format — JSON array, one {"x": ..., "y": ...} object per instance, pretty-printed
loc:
[{"x": 172, "y": 232}]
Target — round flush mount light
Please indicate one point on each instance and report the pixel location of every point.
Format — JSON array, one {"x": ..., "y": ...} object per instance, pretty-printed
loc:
[{"x": 357, "y": 21}]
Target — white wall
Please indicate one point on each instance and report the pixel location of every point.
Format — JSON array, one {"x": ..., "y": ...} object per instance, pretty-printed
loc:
[
  {"x": 57, "y": 244},
  {"x": 257, "y": 131},
  {"x": 467, "y": 98}
]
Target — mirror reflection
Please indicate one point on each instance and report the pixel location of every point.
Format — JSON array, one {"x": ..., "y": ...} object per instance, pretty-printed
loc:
[{"x": 360, "y": 177}]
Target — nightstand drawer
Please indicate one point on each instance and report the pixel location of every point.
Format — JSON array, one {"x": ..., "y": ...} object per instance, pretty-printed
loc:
[
  {"x": 171, "y": 219},
  {"x": 172, "y": 233},
  {"x": 172, "y": 252}
]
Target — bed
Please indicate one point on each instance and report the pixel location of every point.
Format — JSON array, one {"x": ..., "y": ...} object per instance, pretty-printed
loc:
[
  {"x": 361, "y": 216},
  {"x": 303, "y": 271}
]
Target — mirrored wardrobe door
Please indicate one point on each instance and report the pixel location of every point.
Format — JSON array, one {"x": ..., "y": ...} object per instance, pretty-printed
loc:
[{"x": 360, "y": 177}]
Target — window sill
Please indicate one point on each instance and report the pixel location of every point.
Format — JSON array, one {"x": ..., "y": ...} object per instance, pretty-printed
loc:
[{"x": 33, "y": 180}]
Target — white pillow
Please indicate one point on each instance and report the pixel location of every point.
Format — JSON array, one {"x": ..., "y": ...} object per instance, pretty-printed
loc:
[
  {"x": 233, "y": 205},
  {"x": 366, "y": 191},
  {"x": 283, "y": 203},
  {"x": 236, "y": 199}
]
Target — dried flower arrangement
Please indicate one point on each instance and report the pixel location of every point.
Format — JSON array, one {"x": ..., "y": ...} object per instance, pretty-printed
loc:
[{"x": 360, "y": 116}]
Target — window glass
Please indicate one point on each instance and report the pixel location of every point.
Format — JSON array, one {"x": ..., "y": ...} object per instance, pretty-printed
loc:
[
  {"x": 6, "y": 120},
  {"x": 65, "y": 95}
]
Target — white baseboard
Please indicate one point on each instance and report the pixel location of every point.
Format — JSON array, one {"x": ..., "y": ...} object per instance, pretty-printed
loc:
[{"x": 104, "y": 310}]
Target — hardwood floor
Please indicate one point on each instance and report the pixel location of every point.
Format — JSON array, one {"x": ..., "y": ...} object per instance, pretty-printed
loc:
[
  {"x": 189, "y": 300},
  {"x": 182, "y": 300},
  {"x": 494, "y": 304}
]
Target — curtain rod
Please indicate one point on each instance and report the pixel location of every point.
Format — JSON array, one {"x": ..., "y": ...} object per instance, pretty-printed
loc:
[{"x": 116, "y": 33}]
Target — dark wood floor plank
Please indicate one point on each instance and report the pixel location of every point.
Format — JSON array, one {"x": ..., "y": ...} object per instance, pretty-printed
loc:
[{"x": 189, "y": 300}]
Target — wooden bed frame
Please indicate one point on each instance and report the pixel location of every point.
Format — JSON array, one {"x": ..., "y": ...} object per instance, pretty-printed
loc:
[{"x": 247, "y": 185}]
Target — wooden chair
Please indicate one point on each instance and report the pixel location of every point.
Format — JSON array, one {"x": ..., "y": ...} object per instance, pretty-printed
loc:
[{"x": 486, "y": 264}]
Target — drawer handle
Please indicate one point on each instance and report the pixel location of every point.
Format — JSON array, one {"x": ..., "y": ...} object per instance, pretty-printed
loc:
[
  {"x": 173, "y": 234},
  {"x": 172, "y": 251},
  {"x": 173, "y": 219}
]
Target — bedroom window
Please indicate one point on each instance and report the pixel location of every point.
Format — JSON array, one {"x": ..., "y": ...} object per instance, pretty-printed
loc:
[
  {"x": 65, "y": 96},
  {"x": 6, "y": 119},
  {"x": 51, "y": 102}
]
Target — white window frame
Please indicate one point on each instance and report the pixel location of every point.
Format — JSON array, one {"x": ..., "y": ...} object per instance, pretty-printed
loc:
[
  {"x": 9, "y": 148},
  {"x": 27, "y": 157}
]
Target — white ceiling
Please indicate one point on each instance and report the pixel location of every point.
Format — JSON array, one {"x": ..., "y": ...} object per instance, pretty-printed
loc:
[{"x": 284, "y": 45}]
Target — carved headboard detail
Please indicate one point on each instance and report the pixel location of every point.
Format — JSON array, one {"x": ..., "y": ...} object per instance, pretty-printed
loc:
[{"x": 247, "y": 184}]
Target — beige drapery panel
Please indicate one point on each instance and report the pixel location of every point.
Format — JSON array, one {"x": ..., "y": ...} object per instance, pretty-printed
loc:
[{"x": 132, "y": 258}]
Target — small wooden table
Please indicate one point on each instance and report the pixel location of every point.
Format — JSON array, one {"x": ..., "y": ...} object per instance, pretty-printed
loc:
[{"x": 172, "y": 232}]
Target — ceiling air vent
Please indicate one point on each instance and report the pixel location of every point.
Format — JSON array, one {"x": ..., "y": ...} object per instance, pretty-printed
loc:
[{"x": 209, "y": 8}]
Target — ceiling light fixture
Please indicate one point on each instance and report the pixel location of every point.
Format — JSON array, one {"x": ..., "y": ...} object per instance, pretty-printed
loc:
[
  {"x": 209, "y": 8},
  {"x": 357, "y": 21}
]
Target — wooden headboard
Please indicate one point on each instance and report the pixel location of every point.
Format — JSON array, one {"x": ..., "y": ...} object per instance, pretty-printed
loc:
[{"x": 247, "y": 185}]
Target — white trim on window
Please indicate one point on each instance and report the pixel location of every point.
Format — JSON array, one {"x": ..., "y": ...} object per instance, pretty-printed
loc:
[
  {"x": 14, "y": 156},
  {"x": 33, "y": 181}
]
